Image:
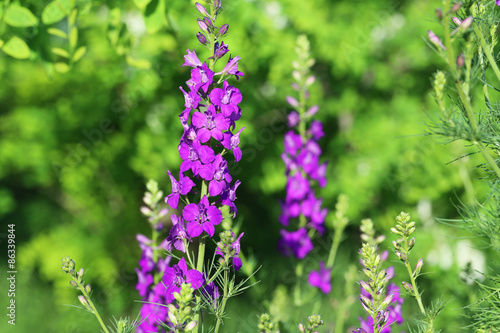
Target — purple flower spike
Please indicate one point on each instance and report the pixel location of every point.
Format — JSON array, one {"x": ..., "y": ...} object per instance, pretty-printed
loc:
[
  {"x": 181, "y": 187},
  {"x": 201, "y": 217},
  {"x": 321, "y": 279},
  {"x": 191, "y": 59}
]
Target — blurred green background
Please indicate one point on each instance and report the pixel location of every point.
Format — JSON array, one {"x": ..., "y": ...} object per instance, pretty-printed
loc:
[{"x": 76, "y": 149}]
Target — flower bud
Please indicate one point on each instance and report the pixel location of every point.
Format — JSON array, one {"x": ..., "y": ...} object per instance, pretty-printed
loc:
[
  {"x": 301, "y": 328},
  {"x": 466, "y": 23},
  {"x": 456, "y": 20},
  {"x": 201, "y": 9},
  {"x": 395, "y": 231},
  {"x": 456, "y": 7},
  {"x": 439, "y": 13},
  {"x": 191, "y": 326},
  {"x": 312, "y": 110},
  {"x": 146, "y": 211},
  {"x": 84, "y": 302},
  {"x": 203, "y": 26},
  {"x": 411, "y": 231},
  {"x": 310, "y": 80},
  {"x": 401, "y": 256},
  {"x": 365, "y": 300},
  {"x": 73, "y": 283},
  {"x": 80, "y": 273},
  {"x": 292, "y": 101},
  {"x": 208, "y": 22},
  {"x": 366, "y": 286},
  {"x": 385, "y": 303},
  {"x": 173, "y": 318},
  {"x": 411, "y": 243},
  {"x": 88, "y": 289},
  {"x": 408, "y": 287},
  {"x": 419, "y": 265},
  {"x": 223, "y": 29}
]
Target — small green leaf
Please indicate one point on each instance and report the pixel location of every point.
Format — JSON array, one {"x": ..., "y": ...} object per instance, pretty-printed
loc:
[
  {"x": 56, "y": 10},
  {"x": 20, "y": 17},
  {"x": 17, "y": 48},
  {"x": 57, "y": 32},
  {"x": 1, "y": 43},
  {"x": 60, "y": 52},
  {"x": 141, "y": 4},
  {"x": 79, "y": 53},
  {"x": 61, "y": 67},
  {"x": 73, "y": 37},
  {"x": 154, "y": 16},
  {"x": 139, "y": 63},
  {"x": 72, "y": 17}
]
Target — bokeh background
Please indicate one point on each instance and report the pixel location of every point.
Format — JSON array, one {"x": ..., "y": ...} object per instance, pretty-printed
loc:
[{"x": 77, "y": 148}]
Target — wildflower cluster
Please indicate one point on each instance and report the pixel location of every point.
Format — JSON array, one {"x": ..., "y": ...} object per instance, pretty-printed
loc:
[
  {"x": 313, "y": 322},
  {"x": 204, "y": 183},
  {"x": 302, "y": 161}
]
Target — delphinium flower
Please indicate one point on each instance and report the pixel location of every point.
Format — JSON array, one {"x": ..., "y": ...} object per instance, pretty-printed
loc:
[
  {"x": 303, "y": 171},
  {"x": 152, "y": 264},
  {"x": 204, "y": 184}
]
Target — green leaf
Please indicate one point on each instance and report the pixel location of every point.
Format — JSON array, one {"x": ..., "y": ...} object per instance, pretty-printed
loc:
[
  {"x": 17, "y": 48},
  {"x": 73, "y": 37},
  {"x": 139, "y": 63},
  {"x": 57, "y": 32},
  {"x": 61, "y": 67},
  {"x": 1, "y": 43},
  {"x": 72, "y": 17},
  {"x": 20, "y": 17},
  {"x": 56, "y": 10},
  {"x": 60, "y": 52},
  {"x": 141, "y": 4},
  {"x": 154, "y": 16},
  {"x": 79, "y": 53}
]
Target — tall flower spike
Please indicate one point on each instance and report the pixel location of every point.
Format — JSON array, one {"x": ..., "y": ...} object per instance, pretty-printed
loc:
[{"x": 303, "y": 170}]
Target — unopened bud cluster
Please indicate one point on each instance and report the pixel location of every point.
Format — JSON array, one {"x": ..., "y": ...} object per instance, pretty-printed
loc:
[
  {"x": 69, "y": 266},
  {"x": 404, "y": 228},
  {"x": 314, "y": 321},
  {"x": 266, "y": 325},
  {"x": 375, "y": 286},
  {"x": 152, "y": 211},
  {"x": 183, "y": 316},
  {"x": 368, "y": 233}
]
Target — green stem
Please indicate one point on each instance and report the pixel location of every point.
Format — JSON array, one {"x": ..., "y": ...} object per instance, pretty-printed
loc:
[
  {"x": 224, "y": 300},
  {"x": 87, "y": 297},
  {"x": 487, "y": 52},
  {"x": 335, "y": 245},
  {"x": 412, "y": 279}
]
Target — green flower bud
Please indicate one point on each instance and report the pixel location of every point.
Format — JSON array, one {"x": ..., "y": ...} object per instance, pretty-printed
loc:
[
  {"x": 407, "y": 286},
  {"x": 191, "y": 326}
]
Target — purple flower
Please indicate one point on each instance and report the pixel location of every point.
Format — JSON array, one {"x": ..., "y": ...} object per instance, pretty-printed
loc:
[
  {"x": 210, "y": 124},
  {"x": 201, "y": 77},
  {"x": 229, "y": 196},
  {"x": 293, "y": 142},
  {"x": 217, "y": 174},
  {"x": 181, "y": 187},
  {"x": 498, "y": 2},
  {"x": 232, "y": 68},
  {"x": 194, "y": 155},
  {"x": 201, "y": 217},
  {"x": 297, "y": 187},
  {"x": 435, "y": 39},
  {"x": 316, "y": 130},
  {"x": 177, "y": 235},
  {"x": 231, "y": 141},
  {"x": 321, "y": 279},
  {"x": 191, "y": 59},
  {"x": 226, "y": 98},
  {"x": 178, "y": 274},
  {"x": 293, "y": 119},
  {"x": 297, "y": 243},
  {"x": 289, "y": 210}
]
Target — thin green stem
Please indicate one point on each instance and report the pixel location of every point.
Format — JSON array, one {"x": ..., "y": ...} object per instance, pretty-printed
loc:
[
  {"x": 224, "y": 300},
  {"x": 87, "y": 297},
  {"x": 487, "y": 52},
  {"x": 415, "y": 288},
  {"x": 335, "y": 245}
]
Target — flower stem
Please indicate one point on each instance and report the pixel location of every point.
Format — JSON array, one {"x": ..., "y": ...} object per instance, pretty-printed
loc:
[
  {"x": 224, "y": 300},
  {"x": 335, "y": 245},
  {"x": 487, "y": 52},
  {"x": 416, "y": 294},
  {"x": 87, "y": 297}
]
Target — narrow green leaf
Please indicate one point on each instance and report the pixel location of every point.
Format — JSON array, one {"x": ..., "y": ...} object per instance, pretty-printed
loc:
[
  {"x": 61, "y": 67},
  {"x": 60, "y": 52},
  {"x": 154, "y": 16},
  {"x": 72, "y": 17},
  {"x": 139, "y": 63},
  {"x": 141, "y": 4},
  {"x": 73, "y": 37},
  {"x": 56, "y": 10},
  {"x": 20, "y": 17},
  {"x": 57, "y": 32},
  {"x": 79, "y": 53},
  {"x": 17, "y": 48}
]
